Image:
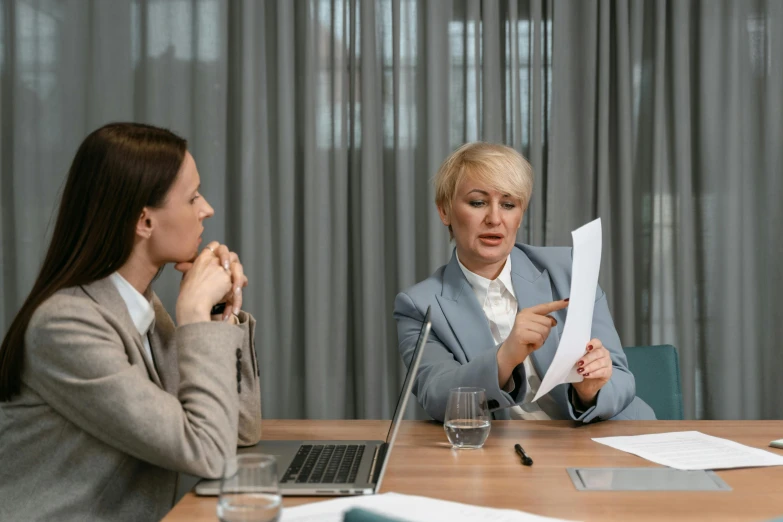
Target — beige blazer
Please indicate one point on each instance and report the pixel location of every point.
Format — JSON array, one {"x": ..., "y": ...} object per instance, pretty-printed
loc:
[{"x": 98, "y": 433}]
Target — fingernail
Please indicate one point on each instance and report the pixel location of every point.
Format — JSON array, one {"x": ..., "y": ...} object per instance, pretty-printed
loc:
[
  {"x": 580, "y": 370},
  {"x": 226, "y": 318},
  {"x": 589, "y": 347},
  {"x": 238, "y": 290},
  {"x": 225, "y": 265},
  {"x": 567, "y": 299},
  {"x": 581, "y": 363},
  {"x": 554, "y": 322},
  {"x": 236, "y": 310},
  {"x": 585, "y": 375}
]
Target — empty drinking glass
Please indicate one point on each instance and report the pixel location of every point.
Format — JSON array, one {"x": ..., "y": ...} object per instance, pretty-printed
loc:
[
  {"x": 249, "y": 491},
  {"x": 467, "y": 418}
]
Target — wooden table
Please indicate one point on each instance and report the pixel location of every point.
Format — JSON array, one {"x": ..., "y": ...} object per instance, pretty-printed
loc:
[{"x": 422, "y": 463}]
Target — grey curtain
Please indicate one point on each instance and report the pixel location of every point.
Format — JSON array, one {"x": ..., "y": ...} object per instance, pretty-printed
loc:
[
  {"x": 317, "y": 125},
  {"x": 667, "y": 121}
]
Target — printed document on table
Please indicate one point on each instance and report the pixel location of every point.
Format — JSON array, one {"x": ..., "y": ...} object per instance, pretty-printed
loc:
[
  {"x": 408, "y": 508},
  {"x": 579, "y": 319},
  {"x": 692, "y": 450}
]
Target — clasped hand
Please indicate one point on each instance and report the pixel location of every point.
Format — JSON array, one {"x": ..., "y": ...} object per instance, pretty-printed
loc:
[{"x": 214, "y": 276}]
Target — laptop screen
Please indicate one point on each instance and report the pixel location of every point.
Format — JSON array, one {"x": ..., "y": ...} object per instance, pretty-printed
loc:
[
  {"x": 402, "y": 402},
  {"x": 407, "y": 385}
]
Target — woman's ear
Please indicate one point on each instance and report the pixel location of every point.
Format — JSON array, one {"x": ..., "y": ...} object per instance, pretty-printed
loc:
[
  {"x": 444, "y": 216},
  {"x": 144, "y": 224}
]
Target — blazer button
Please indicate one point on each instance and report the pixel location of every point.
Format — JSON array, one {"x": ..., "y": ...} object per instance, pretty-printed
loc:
[{"x": 239, "y": 353}]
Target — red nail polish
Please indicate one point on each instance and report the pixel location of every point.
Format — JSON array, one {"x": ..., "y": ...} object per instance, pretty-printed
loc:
[
  {"x": 581, "y": 363},
  {"x": 585, "y": 375},
  {"x": 567, "y": 299},
  {"x": 580, "y": 370},
  {"x": 589, "y": 347}
]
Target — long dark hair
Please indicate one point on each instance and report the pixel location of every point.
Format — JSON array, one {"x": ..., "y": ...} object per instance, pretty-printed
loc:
[{"x": 118, "y": 170}]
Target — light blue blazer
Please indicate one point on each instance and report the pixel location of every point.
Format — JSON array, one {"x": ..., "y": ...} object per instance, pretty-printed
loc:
[{"x": 462, "y": 352}]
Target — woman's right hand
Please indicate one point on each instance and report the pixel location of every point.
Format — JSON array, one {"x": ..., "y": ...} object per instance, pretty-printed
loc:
[
  {"x": 203, "y": 285},
  {"x": 529, "y": 333}
]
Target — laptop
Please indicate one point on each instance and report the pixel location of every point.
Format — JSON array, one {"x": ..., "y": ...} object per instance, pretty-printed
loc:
[{"x": 335, "y": 467}]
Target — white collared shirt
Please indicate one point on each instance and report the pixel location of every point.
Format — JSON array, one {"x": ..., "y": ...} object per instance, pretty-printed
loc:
[
  {"x": 139, "y": 308},
  {"x": 500, "y": 306}
]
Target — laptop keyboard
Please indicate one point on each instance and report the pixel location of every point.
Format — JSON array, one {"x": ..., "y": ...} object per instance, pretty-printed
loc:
[{"x": 325, "y": 464}]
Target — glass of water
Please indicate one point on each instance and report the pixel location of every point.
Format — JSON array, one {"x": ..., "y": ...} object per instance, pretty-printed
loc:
[
  {"x": 467, "y": 418},
  {"x": 249, "y": 491}
]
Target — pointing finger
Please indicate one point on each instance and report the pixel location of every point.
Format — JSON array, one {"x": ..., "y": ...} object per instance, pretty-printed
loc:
[{"x": 548, "y": 308}]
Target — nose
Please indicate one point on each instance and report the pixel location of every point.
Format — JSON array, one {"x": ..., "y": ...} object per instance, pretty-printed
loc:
[
  {"x": 207, "y": 211},
  {"x": 493, "y": 215}
]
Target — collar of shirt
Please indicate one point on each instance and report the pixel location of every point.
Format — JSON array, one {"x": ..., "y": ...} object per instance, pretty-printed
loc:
[
  {"x": 139, "y": 307},
  {"x": 481, "y": 284}
]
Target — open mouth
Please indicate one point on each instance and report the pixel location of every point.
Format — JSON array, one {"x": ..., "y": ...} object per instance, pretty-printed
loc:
[{"x": 491, "y": 239}]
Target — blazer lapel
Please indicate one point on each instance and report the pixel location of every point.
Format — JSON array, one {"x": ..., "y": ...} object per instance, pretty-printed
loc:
[
  {"x": 104, "y": 293},
  {"x": 164, "y": 353},
  {"x": 533, "y": 287},
  {"x": 463, "y": 312}
]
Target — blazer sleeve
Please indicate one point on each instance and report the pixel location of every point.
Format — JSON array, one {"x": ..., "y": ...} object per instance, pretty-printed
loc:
[
  {"x": 249, "y": 424},
  {"x": 76, "y": 362},
  {"x": 620, "y": 390},
  {"x": 439, "y": 371}
]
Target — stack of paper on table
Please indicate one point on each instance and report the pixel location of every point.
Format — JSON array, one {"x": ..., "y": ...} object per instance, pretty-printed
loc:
[
  {"x": 692, "y": 450},
  {"x": 410, "y": 508}
]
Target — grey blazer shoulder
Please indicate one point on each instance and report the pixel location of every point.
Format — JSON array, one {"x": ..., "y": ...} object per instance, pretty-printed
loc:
[
  {"x": 99, "y": 432},
  {"x": 462, "y": 352}
]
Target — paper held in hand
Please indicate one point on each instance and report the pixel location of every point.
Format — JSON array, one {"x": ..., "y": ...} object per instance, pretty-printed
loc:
[{"x": 579, "y": 320}]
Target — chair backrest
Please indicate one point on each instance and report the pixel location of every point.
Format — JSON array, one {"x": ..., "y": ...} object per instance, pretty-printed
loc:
[{"x": 657, "y": 373}]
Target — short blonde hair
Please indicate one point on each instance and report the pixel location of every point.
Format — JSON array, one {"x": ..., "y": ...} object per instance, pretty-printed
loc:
[{"x": 498, "y": 166}]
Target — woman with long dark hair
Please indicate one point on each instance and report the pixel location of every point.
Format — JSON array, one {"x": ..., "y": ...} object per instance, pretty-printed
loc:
[{"x": 103, "y": 397}]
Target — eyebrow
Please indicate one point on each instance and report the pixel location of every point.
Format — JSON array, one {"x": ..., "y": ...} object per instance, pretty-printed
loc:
[{"x": 484, "y": 192}]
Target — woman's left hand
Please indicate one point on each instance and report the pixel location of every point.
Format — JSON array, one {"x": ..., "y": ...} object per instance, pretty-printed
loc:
[
  {"x": 596, "y": 368},
  {"x": 230, "y": 262}
]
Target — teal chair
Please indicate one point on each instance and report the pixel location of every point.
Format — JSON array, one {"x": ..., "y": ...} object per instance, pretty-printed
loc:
[{"x": 657, "y": 375}]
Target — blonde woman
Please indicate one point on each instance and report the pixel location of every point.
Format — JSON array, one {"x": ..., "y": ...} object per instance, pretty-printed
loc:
[{"x": 498, "y": 308}]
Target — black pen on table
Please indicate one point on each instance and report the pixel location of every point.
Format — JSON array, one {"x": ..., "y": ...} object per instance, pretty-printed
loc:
[{"x": 526, "y": 460}]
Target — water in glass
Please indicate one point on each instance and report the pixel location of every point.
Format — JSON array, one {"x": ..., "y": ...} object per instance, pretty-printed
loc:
[
  {"x": 467, "y": 433},
  {"x": 249, "y": 507},
  {"x": 249, "y": 491}
]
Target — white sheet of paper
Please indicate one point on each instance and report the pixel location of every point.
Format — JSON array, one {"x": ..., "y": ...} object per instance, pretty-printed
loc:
[
  {"x": 409, "y": 508},
  {"x": 692, "y": 450},
  {"x": 579, "y": 320}
]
